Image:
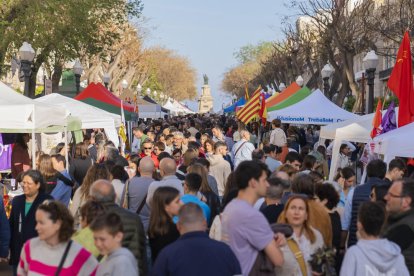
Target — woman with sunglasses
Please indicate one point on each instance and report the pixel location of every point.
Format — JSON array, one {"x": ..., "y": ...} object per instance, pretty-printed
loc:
[
  {"x": 22, "y": 216},
  {"x": 53, "y": 252}
]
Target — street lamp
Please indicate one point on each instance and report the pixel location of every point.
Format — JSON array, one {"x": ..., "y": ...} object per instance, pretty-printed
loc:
[
  {"x": 282, "y": 86},
  {"x": 326, "y": 72},
  {"x": 299, "y": 80},
  {"x": 27, "y": 54},
  {"x": 139, "y": 89},
  {"x": 124, "y": 84},
  {"x": 106, "y": 78},
  {"x": 77, "y": 69},
  {"x": 370, "y": 65},
  {"x": 148, "y": 91}
]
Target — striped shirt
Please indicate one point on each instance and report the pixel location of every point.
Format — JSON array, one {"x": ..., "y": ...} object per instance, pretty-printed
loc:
[{"x": 39, "y": 258}]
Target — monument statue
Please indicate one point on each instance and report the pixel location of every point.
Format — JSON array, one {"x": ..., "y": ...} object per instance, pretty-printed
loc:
[
  {"x": 205, "y": 79},
  {"x": 205, "y": 100}
]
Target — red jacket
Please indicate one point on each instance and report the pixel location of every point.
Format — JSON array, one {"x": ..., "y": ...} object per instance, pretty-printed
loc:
[{"x": 153, "y": 157}]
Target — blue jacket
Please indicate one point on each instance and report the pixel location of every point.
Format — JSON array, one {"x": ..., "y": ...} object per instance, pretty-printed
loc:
[
  {"x": 191, "y": 198},
  {"x": 62, "y": 192},
  {"x": 4, "y": 232},
  {"x": 194, "y": 253}
]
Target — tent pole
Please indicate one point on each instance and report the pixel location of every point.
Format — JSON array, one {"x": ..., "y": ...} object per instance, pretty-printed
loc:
[
  {"x": 66, "y": 147},
  {"x": 33, "y": 141},
  {"x": 33, "y": 150}
]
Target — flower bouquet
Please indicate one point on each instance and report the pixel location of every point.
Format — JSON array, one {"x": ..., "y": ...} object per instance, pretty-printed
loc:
[{"x": 323, "y": 261}]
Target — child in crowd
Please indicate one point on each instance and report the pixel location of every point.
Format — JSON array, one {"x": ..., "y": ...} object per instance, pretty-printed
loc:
[
  {"x": 88, "y": 212},
  {"x": 108, "y": 233}
]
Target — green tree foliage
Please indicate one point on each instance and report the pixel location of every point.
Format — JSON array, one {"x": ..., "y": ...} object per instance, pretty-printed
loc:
[
  {"x": 251, "y": 53},
  {"x": 60, "y": 31},
  {"x": 250, "y": 58}
]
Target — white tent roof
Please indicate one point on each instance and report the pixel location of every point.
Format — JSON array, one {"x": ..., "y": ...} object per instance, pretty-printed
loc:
[
  {"x": 355, "y": 130},
  {"x": 90, "y": 116},
  {"x": 22, "y": 114},
  {"x": 315, "y": 109},
  {"x": 177, "y": 108},
  {"x": 398, "y": 142}
]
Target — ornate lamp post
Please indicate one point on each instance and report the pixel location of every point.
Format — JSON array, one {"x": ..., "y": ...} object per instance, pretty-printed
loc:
[
  {"x": 106, "y": 79},
  {"x": 77, "y": 69},
  {"x": 148, "y": 91},
  {"x": 27, "y": 54},
  {"x": 124, "y": 84},
  {"x": 139, "y": 89},
  {"x": 326, "y": 72},
  {"x": 299, "y": 81},
  {"x": 370, "y": 65}
]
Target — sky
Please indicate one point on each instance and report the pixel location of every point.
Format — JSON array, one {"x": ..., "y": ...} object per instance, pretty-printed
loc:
[{"x": 209, "y": 32}]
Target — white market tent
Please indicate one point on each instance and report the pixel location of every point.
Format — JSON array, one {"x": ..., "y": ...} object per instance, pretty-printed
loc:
[
  {"x": 397, "y": 142},
  {"x": 354, "y": 130},
  {"x": 20, "y": 114},
  {"x": 176, "y": 108},
  {"x": 315, "y": 109},
  {"x": 90, "y": 116}
]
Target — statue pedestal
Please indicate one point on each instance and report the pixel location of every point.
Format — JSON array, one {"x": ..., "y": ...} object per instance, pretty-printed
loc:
[{"x": 205, "y": 102}]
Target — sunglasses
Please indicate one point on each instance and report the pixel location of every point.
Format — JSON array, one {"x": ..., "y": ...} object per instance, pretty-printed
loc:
[{"x": 148, "y": 148}]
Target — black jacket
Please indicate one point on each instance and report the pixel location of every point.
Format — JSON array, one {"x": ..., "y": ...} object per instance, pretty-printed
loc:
[
  {"x": 134, "y": 235},
  {"x": 21, "y": 232}
]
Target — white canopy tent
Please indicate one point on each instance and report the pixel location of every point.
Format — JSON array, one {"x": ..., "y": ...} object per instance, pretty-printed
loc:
[
  {"x": 176, "y": 108},
  {"x": 19, "y": 114},
  {"x": 354, "y": 130},
  {"x": 315, "y": 109},
  {"x": 398, "y": 142},
  {"x": 90, "y": 116}
]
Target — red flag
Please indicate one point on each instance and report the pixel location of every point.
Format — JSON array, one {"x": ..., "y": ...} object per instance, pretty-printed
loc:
[
  {"x": 376, "y": 122},
  {"x": 401, "y": 82}
]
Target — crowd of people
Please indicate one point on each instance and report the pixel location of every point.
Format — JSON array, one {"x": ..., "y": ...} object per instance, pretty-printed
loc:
[{"x": 205, "y": 195}]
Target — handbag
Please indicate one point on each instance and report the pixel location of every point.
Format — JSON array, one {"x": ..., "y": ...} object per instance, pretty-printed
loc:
[
  {"x": 62, "y": 261},
  {"x": 263, "y": 266}
]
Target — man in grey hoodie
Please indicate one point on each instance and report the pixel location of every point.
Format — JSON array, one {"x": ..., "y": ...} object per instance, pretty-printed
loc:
[{"x": 372, "y": 255}]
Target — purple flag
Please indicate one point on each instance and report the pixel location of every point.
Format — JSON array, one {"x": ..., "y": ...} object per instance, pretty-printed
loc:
[
  {"x": 5, "y": 155},
  {"x": 389, "y": 121}
]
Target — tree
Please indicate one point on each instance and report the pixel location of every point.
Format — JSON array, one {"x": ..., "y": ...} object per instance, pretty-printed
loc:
[
  {"x": 346, "y": 23},
  {"x": 61, "y": 31},
  {"x": 247, "y": 71},
  {"x": 173, "y": 72}
]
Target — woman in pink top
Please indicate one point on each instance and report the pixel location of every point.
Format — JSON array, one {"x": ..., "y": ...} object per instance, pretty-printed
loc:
[{"x": 53, "y": 252}]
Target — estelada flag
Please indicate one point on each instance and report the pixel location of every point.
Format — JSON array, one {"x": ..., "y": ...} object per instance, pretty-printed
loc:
[
  {"x": 376, "y": 122},
  {"x": 251, "y": 108},
  {"x": 401, "y": 82}
]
